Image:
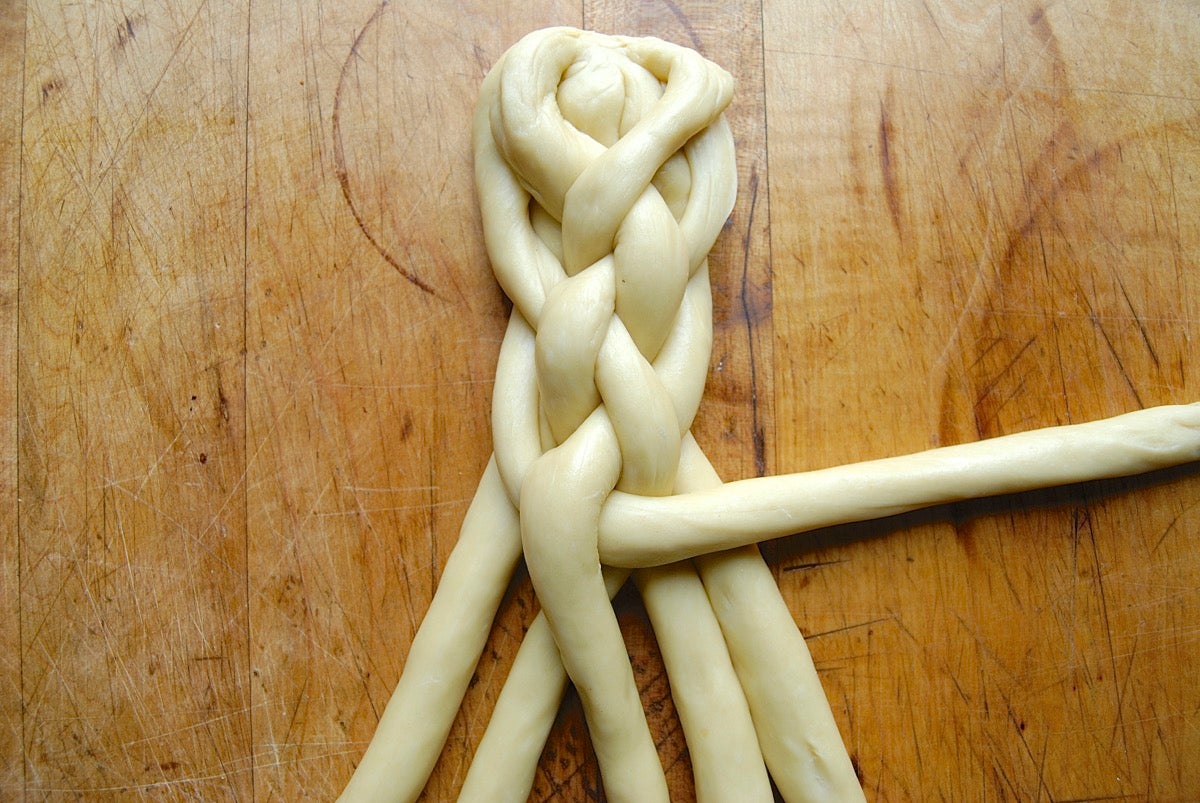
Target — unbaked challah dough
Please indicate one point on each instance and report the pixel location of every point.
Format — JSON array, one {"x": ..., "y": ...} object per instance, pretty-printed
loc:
[{"x": 605, "y": 171}]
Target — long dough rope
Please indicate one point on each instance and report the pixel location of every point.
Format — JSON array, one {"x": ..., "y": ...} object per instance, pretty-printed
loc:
[
  {"x": 748, "y": 511},
  {"x": 605, "y": 172}
]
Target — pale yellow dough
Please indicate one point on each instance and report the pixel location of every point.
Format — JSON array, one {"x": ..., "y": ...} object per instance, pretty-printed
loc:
[{"x": 605, "y": 171}]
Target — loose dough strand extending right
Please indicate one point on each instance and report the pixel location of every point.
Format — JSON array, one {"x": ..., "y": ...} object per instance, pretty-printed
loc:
[{"x": 605, "y": 172}]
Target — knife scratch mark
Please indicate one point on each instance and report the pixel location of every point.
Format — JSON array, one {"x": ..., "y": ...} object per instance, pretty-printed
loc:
[
  {"x": 339, "y": 160},
  {"x": 887, "y": 162}
]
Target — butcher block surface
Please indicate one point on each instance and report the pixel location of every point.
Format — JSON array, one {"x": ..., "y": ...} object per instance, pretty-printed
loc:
[{"x": 249, "y": 334}]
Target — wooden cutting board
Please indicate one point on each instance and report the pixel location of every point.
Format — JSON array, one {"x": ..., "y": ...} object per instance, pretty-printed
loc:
[{"x": 249, "y": 335}]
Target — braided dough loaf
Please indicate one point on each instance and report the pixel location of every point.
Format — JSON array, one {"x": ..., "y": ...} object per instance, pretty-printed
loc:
[
  {"x": 605, "y": 171},
  {"x": 619, "y": 147}
]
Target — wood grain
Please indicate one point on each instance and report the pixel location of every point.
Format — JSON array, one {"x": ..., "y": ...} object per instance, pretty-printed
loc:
[
  {"x": 249, "y": 336},
  {"x": 990, "y": 227},
  {"x": 12, "y": 62},
  {"x": 131, "y": 382}
]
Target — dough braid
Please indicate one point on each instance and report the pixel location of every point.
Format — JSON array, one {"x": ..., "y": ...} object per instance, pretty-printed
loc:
[
  {"x": 605, "y": 172},
  {"x": 589, "y": 155}
]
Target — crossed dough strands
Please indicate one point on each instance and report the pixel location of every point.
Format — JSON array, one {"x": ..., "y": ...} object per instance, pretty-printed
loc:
[
  {"x": 623, "y": 325},
  {"x": 605, "y": 171}
]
